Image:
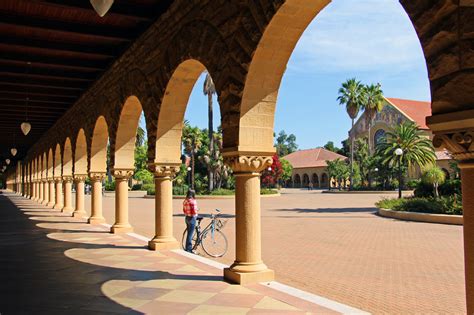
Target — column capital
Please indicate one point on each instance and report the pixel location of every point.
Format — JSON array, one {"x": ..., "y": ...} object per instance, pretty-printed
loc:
[
  {"x": 165, "y": 169},
  {"x": 50, "y": 180},
  {"x": 80, "y": 177},
  {"x": 67, "y": 179},
  {"x": 247, "y": 162},
  {"x": 58, "y": 179},
  {"x": 122, "y": 174},
  {"x": 97, "y": 176},
  {"x": 458, "y": 142}
]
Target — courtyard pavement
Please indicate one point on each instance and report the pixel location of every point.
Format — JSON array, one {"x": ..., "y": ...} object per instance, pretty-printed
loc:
[
  {"x": 335, "y": 246},
  {"x": 51, "y": 263}
]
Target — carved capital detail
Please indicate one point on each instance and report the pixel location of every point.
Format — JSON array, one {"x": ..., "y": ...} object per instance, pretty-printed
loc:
[
  {"x": 243, "y": 163},
  {"x": 165, "y": 170},
  {"x": 122, "y": 174},
  {"x": 80, "y": 177},
  {"x": 96, "y": 176},
  {"x": 67, "y": 179},
  {"x": 58, "y": 179},
  {"x": 459, "y": 143}
]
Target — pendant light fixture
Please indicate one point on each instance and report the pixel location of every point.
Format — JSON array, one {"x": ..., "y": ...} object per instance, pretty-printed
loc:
[
  {"x": 7, "y": 161},
  {"x": 26, "y": 126},
  {"x": 101, "y": 6},
  {"x": 13, "y": 150}
]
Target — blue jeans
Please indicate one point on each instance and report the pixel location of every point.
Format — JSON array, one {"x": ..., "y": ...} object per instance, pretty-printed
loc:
[{"x": 190, "y": 225}]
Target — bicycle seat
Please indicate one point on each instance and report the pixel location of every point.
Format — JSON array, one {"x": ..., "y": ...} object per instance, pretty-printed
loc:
[{"x": 199, "y": 218}]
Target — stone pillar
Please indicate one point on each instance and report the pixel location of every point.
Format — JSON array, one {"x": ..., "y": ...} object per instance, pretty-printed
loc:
[
  {"x": 96, "y": 198},
  {"x": 467, "y": 182},
  {"x": 67, "y": 181},
  {"x": 121, "y": 224},
  {"x": 59, "y": 193},
  {"x": 460, "y": 143},
  {"x": 248, "y": 266},
  {"x": 164, "y": 238},
  {"x": 40, "y": 192},
  {"x": 45, "y": 192},
  {"x": 52, "y": 196},
  {"x": 33, "y": 190},
  {"x": 79, "y": 212}
]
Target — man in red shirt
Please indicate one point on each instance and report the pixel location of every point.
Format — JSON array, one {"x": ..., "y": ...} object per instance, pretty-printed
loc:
[{"x": 190, "y": 210}]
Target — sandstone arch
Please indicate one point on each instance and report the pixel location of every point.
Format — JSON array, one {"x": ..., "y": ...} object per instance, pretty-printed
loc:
[
  {"x": 100, "y": 139},
  {"x": 172, "y": 110},
  {"x": 57, "y": 161},
  {"x": 50, "y": 164},
  {"x": 67, "y": 158},
  {"x": 80, "y": 154}
]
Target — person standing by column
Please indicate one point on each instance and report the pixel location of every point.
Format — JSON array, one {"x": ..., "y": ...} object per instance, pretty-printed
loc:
[{"x": 190, "y": 210}]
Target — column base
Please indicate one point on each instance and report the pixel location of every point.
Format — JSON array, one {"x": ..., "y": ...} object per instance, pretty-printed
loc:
[
  {"x": 79, "y": 214},
  {"x": 68, "y": 210},
  {"x": 121, "y": 229},
  {"x": 50, "y": 204},
  {"x": 58, "y": 207},
  {"x": 244, "y": 278},
  {"x": 163, "y": 244},
  {"x": 44, "y": 202},
  {"x": 96, "y": 220}
]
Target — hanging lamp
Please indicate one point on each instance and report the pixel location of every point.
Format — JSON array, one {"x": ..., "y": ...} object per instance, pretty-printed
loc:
[
  {"x": 101, "y": 6},
  {"x": 13, "y": 150},
  {"x": 7, "y": 161},
  {"x": 26, "y": 126}
]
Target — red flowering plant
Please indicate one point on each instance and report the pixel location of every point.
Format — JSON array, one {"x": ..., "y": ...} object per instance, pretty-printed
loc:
[{"x": 271, "y": 176}]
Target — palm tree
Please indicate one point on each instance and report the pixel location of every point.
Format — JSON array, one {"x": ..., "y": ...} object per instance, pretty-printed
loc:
[
  {"x": 140, "y": 137},
  {"x": 191, "y": 142},
  {"x": 209, "y": 89},
  {"x": 351, "y": 94},
  {"x": 417, "y": 149},
  {"x": 434, "y": 176},
  {"x": 374, "y": 102}
]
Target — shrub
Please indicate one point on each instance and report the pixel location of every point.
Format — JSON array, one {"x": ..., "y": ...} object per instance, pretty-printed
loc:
[
  {"x": 150, "y": 189},
  {"x": 413, "y": 184},
  {"x": 450, "y": 188},
  {"x": 137, "y": 187},
  {"x": 267, "y": 191},
  {"x": 222, "y": 192},
  {"x": 180, "y": 190},
  {"x": 109, "y": 186},
  {"x": 442, "y": 205}
]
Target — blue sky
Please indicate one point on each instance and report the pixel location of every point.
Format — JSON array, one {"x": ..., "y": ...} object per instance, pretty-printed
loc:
[{"x": 372, "y": 40}]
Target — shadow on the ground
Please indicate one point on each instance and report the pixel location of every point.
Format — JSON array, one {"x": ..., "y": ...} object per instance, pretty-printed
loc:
[
  {"x": 37, "y": 278},
  {"x": 327, "y": 210},
  {"x": 207, "y": 215}
]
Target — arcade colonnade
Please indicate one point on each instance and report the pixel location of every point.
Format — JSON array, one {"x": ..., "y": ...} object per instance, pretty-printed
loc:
[{"x": 245, "y": 46}]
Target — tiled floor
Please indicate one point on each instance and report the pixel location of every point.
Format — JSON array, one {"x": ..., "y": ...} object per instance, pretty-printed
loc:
[{"x": 54, "y": 264}]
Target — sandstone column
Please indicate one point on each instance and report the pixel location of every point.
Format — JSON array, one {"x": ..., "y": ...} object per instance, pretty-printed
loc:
[
  {"x": 248, "y": 266},
  {"x": 52, "y": 196},
  {"x": 45, "y": 192},
  {"x": 79, "y": 212},
  {"x": 121, "y": 224},
  {"x": 96, "y": 198},
  {"x": 67, "y": 180},
  {"x": 33, "y": 190},
  {"x": 467, "y": 179},
  {"x": 164, "y": 238},
  {"x": 40, "y": 192},
  {"x": 59, "y": 193}
]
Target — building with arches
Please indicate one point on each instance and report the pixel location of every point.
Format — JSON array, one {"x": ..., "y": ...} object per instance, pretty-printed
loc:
[
  {"x": 146, "y": 55},
  {"x": 309, "y": 166}
]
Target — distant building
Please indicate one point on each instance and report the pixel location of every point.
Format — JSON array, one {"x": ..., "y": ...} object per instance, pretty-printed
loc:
[
  {"x": 395, "y": 112},
  {"x": 310, "y": 166}
]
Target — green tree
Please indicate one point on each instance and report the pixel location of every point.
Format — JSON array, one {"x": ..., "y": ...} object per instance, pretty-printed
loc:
[
  {"x": 434, "y": 176},
  {"x": 192, "y": 140},
  {"x": 374, "y": 102},
  {"x": 339, "y": 171},
  {"x": 209, "y": 89},
  {"x": 140, "y": 137},
  {"x": 285, "y": 144},
  {"x": 330, "y": 147},
  {"x": 417, "y": 149},
  {"x": 346, "y": 148},
  {"x": 351, "y": 94},
  {"x": 363, "y": 158},
  {"x": 287, "y": 170}
]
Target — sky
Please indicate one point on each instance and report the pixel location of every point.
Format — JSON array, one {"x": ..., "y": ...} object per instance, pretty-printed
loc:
[{"x": 371, "y": 40}]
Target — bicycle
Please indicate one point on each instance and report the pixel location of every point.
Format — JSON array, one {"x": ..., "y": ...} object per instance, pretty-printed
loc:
[{"x": 211, "y": 238}]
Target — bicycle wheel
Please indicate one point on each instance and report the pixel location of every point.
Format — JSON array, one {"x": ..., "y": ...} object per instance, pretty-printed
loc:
[
  {"x": 195, "y": 237},
  {"x": 214, "y": 244}
]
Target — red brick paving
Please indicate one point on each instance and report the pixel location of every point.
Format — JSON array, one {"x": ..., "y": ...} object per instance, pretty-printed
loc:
[{"x": 336, "y": 247}]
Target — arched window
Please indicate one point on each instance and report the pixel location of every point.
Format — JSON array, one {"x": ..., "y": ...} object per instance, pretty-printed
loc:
[
  {"x": 378, "y": 136},
  {"x": 297, "y": 182}
]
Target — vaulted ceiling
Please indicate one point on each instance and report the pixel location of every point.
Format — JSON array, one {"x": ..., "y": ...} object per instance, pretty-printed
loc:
[{"x": 52, "y": 51}]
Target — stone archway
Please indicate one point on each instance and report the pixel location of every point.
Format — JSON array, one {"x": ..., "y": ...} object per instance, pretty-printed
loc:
[
  {"x": 315, "y": 180},
  {"x": 305, "y": 180},
  {"x": 324, "y": 181},
  {"x": 297, "y": 181}
]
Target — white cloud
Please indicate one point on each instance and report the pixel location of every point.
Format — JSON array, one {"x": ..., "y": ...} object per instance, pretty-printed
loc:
[{"x": 358, "y": 36}]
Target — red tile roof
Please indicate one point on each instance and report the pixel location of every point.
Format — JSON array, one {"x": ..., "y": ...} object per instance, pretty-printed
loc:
[
  {"x": 312, "y": 158},
  {"x": 416, "y": 110}
]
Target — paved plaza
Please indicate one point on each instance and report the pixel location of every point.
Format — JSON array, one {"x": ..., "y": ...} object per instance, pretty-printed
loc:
[
  {"x": 335, "y": 246},
  {"x": 56, "y": 264}
]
